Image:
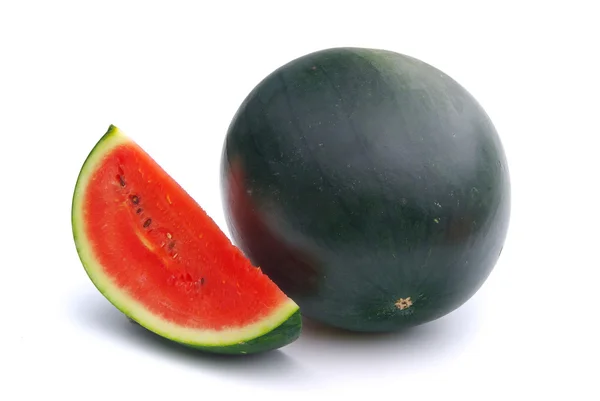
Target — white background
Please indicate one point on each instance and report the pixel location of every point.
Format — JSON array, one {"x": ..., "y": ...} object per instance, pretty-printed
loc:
[{"x": 171, "y": 75}]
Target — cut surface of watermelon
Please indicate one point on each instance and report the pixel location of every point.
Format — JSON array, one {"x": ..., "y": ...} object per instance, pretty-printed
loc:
[{"x": 157, "y": 256}]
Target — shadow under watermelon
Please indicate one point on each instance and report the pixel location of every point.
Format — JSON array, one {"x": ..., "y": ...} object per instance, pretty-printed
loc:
[{"x": 92, "y": 312}]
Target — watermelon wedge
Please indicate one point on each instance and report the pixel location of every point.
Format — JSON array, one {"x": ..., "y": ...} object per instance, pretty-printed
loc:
[{"x": 157, "y": 256}]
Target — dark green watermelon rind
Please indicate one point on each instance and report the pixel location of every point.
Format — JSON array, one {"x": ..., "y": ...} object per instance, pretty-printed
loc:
[
  {"x": 338, "y": 188},
  {"x": 262, "y": 336},
  {"x": 288, "y": 332}
]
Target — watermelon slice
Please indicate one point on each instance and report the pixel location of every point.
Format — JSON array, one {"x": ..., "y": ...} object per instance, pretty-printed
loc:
[{"x": 157, "y": 256}]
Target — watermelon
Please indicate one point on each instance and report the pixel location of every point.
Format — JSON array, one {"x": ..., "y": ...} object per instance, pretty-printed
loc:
[
  {"x": 370, "y": 186},
  {"x": 157, "y": 256}
]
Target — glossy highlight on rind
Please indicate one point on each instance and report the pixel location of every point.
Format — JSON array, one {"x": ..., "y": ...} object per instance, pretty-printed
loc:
[
  {"x": 369, "y": 185},
  {"x": 280, "y": 326}
]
